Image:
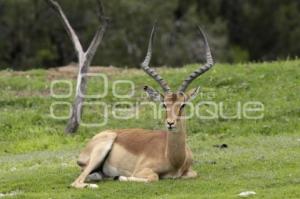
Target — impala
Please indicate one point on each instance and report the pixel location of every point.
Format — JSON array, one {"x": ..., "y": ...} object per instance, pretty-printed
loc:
[{"x": 145, "y": 155}]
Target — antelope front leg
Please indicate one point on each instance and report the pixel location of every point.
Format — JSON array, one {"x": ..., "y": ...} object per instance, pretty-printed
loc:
[
  {"x": 145, "y": 175},
  {"x": 101, "y": 147},
  {"x": 79, "y": 182}
]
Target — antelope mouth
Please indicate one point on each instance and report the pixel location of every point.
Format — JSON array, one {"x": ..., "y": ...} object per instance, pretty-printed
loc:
[{"x": 171, "y": 128}]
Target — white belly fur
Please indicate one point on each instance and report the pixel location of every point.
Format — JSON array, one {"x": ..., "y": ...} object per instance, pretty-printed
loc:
[
  {"x": 110, "y": 170},
  {"x": 119, "y": 162}
]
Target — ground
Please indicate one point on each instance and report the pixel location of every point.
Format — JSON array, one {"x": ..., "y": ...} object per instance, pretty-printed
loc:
[{"x": 38, "y": 160}]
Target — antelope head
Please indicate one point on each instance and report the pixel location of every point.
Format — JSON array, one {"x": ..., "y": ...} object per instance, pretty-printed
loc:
[{"x": 174, "y": 102}]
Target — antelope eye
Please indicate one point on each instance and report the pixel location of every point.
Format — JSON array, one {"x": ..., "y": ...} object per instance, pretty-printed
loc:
[
  {"x": 182, "y": 106},
  {"x": 164, "y": 105}
]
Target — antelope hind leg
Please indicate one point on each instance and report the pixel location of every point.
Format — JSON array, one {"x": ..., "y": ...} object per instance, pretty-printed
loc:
[
  {"x": 100, "y": 149},
  {"x": 145, "y": 175},
  {"x": 190, "y": 173},
  {"x": 95, "y": 177}
]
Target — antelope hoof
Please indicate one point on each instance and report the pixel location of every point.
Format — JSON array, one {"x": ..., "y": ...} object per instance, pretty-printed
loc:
[
  {"x": 92, "y": 186},
  {"x": 83, "y": 185},
  {"x": 123, "y": 178},
  {"x": 78, "y": 185}
]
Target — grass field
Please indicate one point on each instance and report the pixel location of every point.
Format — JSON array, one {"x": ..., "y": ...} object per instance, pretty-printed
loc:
[{"x": 37, "y": 160}]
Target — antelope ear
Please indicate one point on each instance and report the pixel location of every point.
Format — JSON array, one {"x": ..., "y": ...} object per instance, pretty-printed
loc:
[
  {"x": 191, "y": 94},
  {"x": 153, "y": 94}
]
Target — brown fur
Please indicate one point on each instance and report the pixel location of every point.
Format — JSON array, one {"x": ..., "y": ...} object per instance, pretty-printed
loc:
[
  {"x": 141, "y": 141},
  {"x": 141, "y": 155}
]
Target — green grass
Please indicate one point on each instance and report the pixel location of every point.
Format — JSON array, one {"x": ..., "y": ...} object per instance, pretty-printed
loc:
[{"x": 38, "y": 160}]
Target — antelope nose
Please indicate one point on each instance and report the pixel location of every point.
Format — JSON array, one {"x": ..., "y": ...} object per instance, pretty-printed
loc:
[{"x": 170, "y": 123}]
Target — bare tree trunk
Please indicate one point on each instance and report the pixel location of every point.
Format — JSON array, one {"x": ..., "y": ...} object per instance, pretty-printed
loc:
[{"x": 84, "y": 61}]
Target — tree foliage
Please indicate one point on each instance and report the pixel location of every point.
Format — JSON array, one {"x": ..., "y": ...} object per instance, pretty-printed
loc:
[{"x": 32, "y": 36}]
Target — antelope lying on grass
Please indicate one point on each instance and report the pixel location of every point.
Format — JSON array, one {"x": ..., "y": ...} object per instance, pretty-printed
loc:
[{"x": 145, "y": 155}]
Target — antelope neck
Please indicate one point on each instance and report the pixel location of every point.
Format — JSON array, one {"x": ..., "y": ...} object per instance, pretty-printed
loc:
[{"x": 175, "y": 149}]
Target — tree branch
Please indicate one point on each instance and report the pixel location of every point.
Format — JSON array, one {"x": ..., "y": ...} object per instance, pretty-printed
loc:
[
  {"x": 100, "y": 31},
  {"x": 77, "y": 45},
  {"x": 101, "y": 14},
  {"x": 96, "y": 41},
  {"x": 84, "y": 61}
]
